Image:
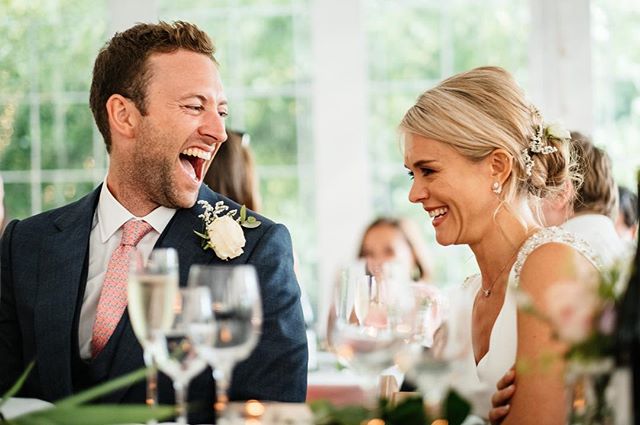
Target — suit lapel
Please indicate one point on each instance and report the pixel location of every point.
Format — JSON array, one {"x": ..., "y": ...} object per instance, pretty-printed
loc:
[{"x": 62, "y": 260}]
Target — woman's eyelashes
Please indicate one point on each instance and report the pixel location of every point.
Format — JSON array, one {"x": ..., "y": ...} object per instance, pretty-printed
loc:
[{"x": 424, "y": 172}]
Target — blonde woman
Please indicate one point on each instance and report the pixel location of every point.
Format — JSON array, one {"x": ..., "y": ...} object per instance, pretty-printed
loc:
[{"x": 479, "y": 155}]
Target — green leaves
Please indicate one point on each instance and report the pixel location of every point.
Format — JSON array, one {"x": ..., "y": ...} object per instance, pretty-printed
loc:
[
  {"x": 410, "y": 411},
  {"x": 249, "y": 222},
  {"x": 19, "y": 383},
  {"x": 94, "y": 415},
  {"x": 70, "y": 411}
]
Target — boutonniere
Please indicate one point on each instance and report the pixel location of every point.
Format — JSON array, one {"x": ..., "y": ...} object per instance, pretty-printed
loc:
[{"x": 223, "y": 231}]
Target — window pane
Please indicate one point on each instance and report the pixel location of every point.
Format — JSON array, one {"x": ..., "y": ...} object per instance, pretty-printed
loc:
[
  {"x": 66, "y": 135},
  {"x": 56, "y": 194},
  {"x": 408, "y": 49},
  {"x": 17, "y": 200},
  {"x": 616, "y": 59},
  {"x": 15, "y": 137},
  {"x": 45, "y": 124},
  {"x": 271, "y": 124}
]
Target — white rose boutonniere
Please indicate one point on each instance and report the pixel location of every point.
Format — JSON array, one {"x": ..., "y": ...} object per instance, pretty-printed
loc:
[{"x": 222, "y": 231}]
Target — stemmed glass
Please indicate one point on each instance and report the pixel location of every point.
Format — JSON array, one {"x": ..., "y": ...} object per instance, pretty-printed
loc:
[
  {"x": 152, "y": 287},
  {"x": 233, "y": 297},
  {"x": 443, "y": 354},
  {"x": 373, "y": 319},
  {"x": 175, "y": 351}
]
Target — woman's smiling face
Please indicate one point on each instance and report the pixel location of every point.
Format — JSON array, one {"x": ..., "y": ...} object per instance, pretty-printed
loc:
[{"x": 453, "y": 190}]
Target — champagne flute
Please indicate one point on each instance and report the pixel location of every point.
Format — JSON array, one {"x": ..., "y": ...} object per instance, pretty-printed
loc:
[
  {"x": 175, "y": 350},
  {"x": 440, "y": 365},
  {"x": 374, "y": 317},
  {"x": 151, "y": 291},
  {"x": 235, "y": 303}
]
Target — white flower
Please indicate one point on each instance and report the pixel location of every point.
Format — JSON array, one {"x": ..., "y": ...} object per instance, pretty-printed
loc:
[
  {"x": 226, "y": 237},
  {"x": 222, "y": 232},
  {"x": 557, "y": 131}
]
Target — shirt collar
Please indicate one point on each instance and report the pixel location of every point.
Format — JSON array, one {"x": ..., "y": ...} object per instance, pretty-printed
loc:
[{"x": 112, "y": 215}]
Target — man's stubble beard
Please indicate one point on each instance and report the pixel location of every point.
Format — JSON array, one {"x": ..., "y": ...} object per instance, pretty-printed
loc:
[{"x": 152, "y": 172}]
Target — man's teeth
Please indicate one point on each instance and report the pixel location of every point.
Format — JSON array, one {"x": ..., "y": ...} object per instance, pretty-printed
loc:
[
  {"x": 198, "y": 153},
  {"x": 438, "y": 211}
]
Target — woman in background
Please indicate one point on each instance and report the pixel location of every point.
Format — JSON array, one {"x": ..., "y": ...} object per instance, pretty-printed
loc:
[
  {"x": 392, "y": 239},
  {"x": 397, "y": 240},
  {"x": 232, "y": 172}
]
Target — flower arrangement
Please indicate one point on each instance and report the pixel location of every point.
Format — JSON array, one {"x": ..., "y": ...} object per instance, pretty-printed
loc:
[
  {"x": 583, "y": 316},
  {"x": 223, "y": 231},
  {"x": 410, "y": 411}
]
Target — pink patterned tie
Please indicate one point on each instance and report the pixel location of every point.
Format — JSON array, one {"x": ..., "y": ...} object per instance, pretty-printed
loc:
[{"x": 113, "y": 297}]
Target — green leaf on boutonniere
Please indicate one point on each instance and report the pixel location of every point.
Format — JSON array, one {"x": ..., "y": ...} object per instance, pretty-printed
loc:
[{"x": 249, "y": 222}]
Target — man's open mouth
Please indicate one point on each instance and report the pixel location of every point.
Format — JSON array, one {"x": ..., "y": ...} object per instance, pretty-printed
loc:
[{"x": 193, "y": 160}]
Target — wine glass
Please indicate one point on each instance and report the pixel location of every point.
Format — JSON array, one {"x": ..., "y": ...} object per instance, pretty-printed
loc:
[
  {"x": 152, "y": 287},
  {"x": 233, "y": 297},
  {"x": 443, "y": 354},
  {"x": 174, "y": 350},
  {"x": 373, "y": 319}
]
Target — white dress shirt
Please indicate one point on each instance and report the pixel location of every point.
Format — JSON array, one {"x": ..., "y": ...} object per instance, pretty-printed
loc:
[{"x": 106, "y": 232}]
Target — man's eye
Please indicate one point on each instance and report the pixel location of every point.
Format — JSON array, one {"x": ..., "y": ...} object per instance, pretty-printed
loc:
[
  {"x": 197, "y": 108},
  {"x": 224, "y": 114},
  {"x": 410, "y": 173}
]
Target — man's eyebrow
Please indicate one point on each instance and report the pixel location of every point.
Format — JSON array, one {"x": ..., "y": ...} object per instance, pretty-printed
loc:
[{"x": 202, "y": 98}]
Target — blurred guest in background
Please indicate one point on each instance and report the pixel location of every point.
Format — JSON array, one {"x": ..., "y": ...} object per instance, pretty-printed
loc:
[
  {"x": 627, "y": 219},
  {"x": 398, "y": 240},
  {"x": 234, "y": 175},
  {"x": 588, "y": 207},
  {"x": 392, "y": 239}
]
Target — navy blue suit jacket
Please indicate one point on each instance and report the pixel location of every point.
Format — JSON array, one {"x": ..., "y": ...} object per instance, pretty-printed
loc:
[{"x": 44, "y": 272}]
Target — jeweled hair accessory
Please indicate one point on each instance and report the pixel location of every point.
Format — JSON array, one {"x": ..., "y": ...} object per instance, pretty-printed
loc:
[{"x": 536, "y": 144}]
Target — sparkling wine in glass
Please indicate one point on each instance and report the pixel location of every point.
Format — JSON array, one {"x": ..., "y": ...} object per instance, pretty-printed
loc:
[
  {"x": 175, "y": 350},
  {"x": 235, "y": 304},
  {"x": 152, "y": 288}
]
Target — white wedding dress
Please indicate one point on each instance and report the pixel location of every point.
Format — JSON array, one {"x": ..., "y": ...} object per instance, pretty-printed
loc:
[{"x": 478, "y": 382}]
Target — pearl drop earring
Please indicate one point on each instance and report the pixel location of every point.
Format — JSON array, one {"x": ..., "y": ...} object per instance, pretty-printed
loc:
[{"x": 496, "y": 187}]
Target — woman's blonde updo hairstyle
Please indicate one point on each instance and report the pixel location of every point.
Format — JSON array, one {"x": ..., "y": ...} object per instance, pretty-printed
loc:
[{"x": 478, "y": 111}]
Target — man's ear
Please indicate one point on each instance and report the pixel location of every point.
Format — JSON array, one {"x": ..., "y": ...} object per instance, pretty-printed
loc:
[
  {"x": 123, "y": 115},
  {"x": 501, "y": 165}
]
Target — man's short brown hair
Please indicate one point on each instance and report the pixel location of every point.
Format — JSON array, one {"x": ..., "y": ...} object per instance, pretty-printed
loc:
[
  {"x": 121, "y": 66},
  {"x": 598, "y": 193}
]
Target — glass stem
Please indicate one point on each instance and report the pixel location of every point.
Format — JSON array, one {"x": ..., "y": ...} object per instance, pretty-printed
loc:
[
  {"x": 221, "y": 375},
  {"x": 181, "y": 401},
  {"x": 152, "y": 383},
  {"x": 370, "y": 385}
]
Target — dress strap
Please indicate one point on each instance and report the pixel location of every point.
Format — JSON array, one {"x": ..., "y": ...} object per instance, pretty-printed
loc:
[{"x": 552, "y": 235}]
